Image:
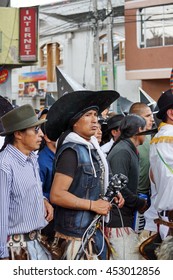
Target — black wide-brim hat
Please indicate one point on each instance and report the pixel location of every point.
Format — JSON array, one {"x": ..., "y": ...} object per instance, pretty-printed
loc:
[
  {"x": 71, "y": 104},
  {"x": 164, "y": 103},
  {"x": 5, "y": 107},
  {"x": 114, "y": 121}
]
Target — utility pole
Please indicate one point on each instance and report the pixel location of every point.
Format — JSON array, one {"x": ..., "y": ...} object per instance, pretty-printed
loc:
[
  {"x": 96, "y": 46},
  {"x": 110, "y": 56}
]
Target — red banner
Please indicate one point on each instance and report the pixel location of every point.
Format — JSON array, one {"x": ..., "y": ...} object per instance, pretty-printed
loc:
[
  {"x": 3, "y": 75},
  {"x": 28, "y": 34}
]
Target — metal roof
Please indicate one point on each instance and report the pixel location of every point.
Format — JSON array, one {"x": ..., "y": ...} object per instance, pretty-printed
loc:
[{"x": 73, "y": 14}]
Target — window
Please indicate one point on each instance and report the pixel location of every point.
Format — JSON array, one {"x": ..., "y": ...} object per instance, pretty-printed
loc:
[
  {"x": 118, "y": 47},
  {"x": 156, "y": 26}
]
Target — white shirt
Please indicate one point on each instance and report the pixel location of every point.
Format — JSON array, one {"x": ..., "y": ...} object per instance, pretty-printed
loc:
[
  {"x": 2, "y": 138},
  {"x": 107, "y": 146},
  {"x": 162, "y": 143}
]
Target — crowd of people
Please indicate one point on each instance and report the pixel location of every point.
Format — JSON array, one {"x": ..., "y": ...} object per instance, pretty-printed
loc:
[{"x": 76, "y": 179}]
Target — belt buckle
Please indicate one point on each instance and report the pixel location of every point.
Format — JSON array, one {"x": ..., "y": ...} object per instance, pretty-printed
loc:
[
  {"x": 32, "y": 235},
  {"x": 16, "y": 237}
]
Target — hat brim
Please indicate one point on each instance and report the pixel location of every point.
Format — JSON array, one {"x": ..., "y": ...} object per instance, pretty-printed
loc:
[
  {"x": 4, "y": 133},
  {"x": 148, "y": 132},
  {"x": 113, "y": 126},
  {"x": 5, "y": 106},
  {"x": 70, "y": 104}
]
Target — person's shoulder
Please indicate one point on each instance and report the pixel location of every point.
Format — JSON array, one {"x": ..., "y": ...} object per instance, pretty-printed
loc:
[
  {"x": 6, "y": 160},
  {"x": 120, "y": 148}
]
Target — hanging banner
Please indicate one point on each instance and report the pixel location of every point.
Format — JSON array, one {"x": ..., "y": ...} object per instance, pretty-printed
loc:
[
  {"x": 3, "y": 75},
  {"x": 171, "y": 80},
  {"x": 28, "y": 33}
]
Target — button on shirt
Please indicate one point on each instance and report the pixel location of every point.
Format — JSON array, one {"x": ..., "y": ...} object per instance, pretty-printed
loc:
[{"x": 21, "y": 197}]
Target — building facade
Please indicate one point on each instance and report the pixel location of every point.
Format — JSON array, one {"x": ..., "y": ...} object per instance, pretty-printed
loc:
[
  {"x": 85, "y": 39},
  {"x": 149, "y": 44}
]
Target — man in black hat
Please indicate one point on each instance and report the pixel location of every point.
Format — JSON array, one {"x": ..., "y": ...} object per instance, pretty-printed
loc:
[
  {"x": 23, "y": 209},
  {"x": 113, "y": 130},
  {"x": 5, "y": 106},
  {"x": 79, "y": 167}
]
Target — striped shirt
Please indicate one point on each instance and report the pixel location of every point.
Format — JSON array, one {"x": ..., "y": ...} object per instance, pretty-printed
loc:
[{"x": 21, "y": 197}]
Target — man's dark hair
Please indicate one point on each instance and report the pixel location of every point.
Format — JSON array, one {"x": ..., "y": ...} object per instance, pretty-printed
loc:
[{"x": 130, "y": 125}]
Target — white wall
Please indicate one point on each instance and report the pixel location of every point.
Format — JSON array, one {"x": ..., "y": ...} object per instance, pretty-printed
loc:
[{"x": 126, "y": 88}]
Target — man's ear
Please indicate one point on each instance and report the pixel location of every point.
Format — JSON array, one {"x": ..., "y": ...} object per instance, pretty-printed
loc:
[
  {"x": 18, "y": 134},
  {"x": 140, "y": 130},
  {"x": 170, "y": 114},
  {"x": 46, "y": 138},
  {"x": 114, "y": 132}
]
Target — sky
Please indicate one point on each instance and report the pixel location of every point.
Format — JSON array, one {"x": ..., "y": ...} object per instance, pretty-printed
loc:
[{"x": 27, "y": 3}]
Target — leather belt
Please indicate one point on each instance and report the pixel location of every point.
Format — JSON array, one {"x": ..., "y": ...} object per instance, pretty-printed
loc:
[{"x": 20, "y": 238}]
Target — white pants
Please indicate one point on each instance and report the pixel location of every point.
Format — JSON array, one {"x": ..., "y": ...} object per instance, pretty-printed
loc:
[{"x": 125, "y": 244}]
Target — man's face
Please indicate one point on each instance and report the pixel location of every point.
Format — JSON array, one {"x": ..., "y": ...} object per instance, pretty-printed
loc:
[
  {"x": 141, "y": 138},
  {"x": 30, "y": 139},
  {"x": 87, "y": 125},
  {"x": 115, "y": 133},
  {"x": 98, "y": 133},
  {"x": 148, "y": 116}
]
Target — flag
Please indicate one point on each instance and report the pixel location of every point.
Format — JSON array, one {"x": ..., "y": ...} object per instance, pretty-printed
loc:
[
  {"x": 123, "y": 105},
  {"x": 147, "y": 99},
  {"x": 66, "y": 84},
  {"x": 171, "y": 80}
]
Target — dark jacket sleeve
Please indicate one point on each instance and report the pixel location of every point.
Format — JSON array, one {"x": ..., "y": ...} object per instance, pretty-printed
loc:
[{"x": 132, "y": 200}]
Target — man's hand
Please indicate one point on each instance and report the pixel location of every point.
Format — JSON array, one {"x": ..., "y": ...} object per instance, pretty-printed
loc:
[
  {"x": 48, "y": 210},
  {"x": 100, "y": 206},
  {"x": 119, "y": 200}
]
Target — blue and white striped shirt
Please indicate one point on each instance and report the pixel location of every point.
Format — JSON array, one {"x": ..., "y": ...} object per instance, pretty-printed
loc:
[{"x": 21, "y": 196}]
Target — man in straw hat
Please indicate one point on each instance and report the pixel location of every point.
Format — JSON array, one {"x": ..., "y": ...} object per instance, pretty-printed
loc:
[
  {"x": 80, "y": 165},
  {"x": 23, "y": 211},
  {"x": 161, "y": 174}
]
